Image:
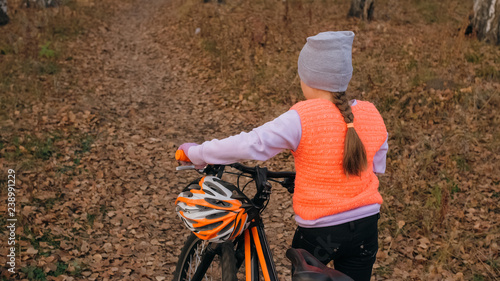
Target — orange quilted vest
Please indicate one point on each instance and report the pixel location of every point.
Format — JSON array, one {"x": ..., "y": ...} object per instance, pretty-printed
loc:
[{"x": 321, "y": 186}]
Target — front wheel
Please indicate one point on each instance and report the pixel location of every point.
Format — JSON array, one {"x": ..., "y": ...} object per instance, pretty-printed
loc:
[{"x": 216, "y": 261}]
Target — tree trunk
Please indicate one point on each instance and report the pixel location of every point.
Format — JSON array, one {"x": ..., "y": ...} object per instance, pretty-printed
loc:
[
  {"x": 4, "y": 18},
  {"x": 362, "y": 9},
  {"x": 42, "y": 3},
  {"x": 486, "y": 20}
]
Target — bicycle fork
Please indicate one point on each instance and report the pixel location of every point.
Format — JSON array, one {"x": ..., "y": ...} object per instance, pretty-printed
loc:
[{"x": 258, "y": 251}]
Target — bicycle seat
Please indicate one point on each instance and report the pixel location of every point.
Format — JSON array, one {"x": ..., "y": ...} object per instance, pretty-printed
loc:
[{"x": 308, "y": 268}]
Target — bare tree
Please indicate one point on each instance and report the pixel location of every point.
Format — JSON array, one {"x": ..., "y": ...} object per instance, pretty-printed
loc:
[
  {"x": 362, "y": 9},
  {"x": 486, "y": 20},
  {"x": 41, "y": 3},
  {"x": 4, "y": 18}
]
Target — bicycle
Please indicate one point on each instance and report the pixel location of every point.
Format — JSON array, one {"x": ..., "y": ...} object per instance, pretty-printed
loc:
[{"x": 199, "y": 257}]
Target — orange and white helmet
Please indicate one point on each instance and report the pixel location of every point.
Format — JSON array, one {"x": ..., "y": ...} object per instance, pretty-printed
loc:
[{"x": 213, "y": 209}]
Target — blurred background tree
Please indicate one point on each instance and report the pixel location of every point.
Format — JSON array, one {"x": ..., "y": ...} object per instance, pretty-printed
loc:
[
  {"x": 42, "y": 3},
  {"x": 362, "y": 9},
  {"x": 4, "y": 18},
  {"x": 486, "y": 20}
]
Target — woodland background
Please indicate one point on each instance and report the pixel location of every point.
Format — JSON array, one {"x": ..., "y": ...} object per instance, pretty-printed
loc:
[{"x": 95, "y": 96}]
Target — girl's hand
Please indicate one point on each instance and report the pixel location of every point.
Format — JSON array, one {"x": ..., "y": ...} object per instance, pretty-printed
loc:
[{"x": 181, "y": 155}]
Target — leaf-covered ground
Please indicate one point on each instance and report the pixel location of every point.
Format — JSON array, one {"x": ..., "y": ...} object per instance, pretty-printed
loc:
[{"x": 97, "y": 95}]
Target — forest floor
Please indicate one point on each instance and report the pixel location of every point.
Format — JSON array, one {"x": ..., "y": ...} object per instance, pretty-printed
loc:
[{"x": 95, "y": 97}]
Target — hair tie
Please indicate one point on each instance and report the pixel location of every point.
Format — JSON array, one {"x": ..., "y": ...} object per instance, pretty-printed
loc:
[{"x": 350, "y": 125}]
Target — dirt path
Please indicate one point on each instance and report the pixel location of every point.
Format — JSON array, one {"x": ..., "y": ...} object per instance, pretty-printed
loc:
[
  {"x": 144, "y": 112},
  {"x": 146, "y": 107}
]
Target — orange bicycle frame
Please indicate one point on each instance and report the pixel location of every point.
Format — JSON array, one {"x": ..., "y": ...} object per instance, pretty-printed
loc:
[{"x": 256, "y": 246}]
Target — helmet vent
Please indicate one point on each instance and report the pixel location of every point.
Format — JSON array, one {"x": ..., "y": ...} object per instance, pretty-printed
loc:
[
  {"x": 207, "y": 191},
  {"x": 188, "y": 221},
  {"x": 215, "y": 216},
  {"x": 209, "y": 227},
  {"x": 218, "y": 203},
  {"x": 239, "y": 195},
  {"x": 200, "y": 208},
  {"x": 227, "y": 227},
  {"x": 214, "y": 187},
  {"x": 225, "y": 237},
  {"x": 238, "y": 225},
  {"x": 225, "y": 184},
  {"x": 194, "y": 186}
]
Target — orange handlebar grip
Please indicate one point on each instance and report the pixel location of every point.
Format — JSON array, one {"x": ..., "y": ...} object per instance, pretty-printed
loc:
[{"x": 181, "y": 156}]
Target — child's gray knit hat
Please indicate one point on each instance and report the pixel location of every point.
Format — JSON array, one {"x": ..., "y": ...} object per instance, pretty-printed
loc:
[{"x": 325, "y": 61}]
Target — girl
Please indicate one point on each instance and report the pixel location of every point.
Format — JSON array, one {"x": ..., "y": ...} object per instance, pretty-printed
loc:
[{"x": 338, "y": 146}]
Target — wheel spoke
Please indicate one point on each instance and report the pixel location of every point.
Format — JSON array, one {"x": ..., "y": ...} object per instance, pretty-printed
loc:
[{"x": 193, "y": 259}]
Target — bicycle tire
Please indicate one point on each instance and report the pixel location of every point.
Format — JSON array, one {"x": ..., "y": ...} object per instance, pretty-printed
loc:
[{"x": 190, "y": 256}]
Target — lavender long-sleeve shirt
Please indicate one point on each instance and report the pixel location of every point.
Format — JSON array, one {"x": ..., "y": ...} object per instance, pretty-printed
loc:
[{"x": 268, "y": 140}]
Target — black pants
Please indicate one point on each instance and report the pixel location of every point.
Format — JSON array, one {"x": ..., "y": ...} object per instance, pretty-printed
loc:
[{"x": 352, "y": 246}]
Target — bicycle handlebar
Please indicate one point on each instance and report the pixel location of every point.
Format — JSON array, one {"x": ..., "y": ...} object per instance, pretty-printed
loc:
[
  {"x": 181, "y": 156},
  {"x": 260, "y": 175},
  {"x": 270, "y": 174}
]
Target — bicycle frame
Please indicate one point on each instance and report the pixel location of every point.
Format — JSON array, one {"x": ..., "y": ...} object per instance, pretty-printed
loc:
[{"x": 255, "y": 233}]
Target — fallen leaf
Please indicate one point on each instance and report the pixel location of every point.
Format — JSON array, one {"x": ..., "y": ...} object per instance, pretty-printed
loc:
[{"x": 31, "y": 251}]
